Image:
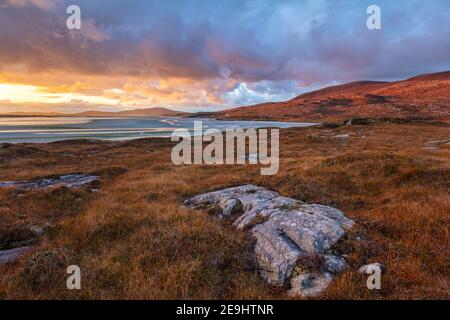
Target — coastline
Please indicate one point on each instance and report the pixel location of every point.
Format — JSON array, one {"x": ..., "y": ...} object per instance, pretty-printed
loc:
[{"x": 43, "y": 130}]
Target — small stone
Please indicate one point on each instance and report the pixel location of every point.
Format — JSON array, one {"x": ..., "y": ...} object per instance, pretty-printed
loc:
[
  {"x": 334, "y": 264},
  {"x": 341, "y": 136},
  {"x": 36, "y": 230},
  {"x": 48, "y": 226},
  {"x": 309, "y": 285}
]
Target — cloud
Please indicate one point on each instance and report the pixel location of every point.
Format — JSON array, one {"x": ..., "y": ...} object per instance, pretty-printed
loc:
[
  {"x": 226, "y": 54},
  {"x": 43, "y": 4},
  {"x": 259, "y": 92}
]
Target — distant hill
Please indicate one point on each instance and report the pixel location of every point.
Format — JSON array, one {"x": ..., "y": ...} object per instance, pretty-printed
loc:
[
  {"x": 421, "y": 97},
  {"x": 32, "y": 114},
  {"x": 149, "y": 112}
]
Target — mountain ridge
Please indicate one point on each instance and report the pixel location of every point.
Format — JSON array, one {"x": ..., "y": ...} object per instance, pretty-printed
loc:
[{"x": 147, "y": 112}]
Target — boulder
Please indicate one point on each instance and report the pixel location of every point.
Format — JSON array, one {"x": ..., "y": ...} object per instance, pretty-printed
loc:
[{"x": 285, "y": 230}]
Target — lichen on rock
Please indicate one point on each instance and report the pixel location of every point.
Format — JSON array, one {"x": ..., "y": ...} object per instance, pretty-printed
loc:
[{"x": 285, "y": 230}]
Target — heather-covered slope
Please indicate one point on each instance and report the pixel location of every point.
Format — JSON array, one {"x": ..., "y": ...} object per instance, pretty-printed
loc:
[{"x": 426, "y": 96}]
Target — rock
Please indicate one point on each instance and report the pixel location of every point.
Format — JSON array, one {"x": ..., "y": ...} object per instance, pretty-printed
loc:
[
  {"x": 435, "y": 145},
  {"x": 275, "y": 253},
  {"x": 261, "y": 206},
  {"x": 69, "y": 181},
  {"x": 36, "y": 230},
  {"x": 311, "y": 233},
  {"x": 334, "y": 264},
  {"x": 331, "y": 213},
  {"x": 341, "y": 136},
  {"x": 231, "y": 206},
  {"x": 285, "y": 229},
  {"x": 248, "y": 196},
  {"x": 366, "y": 268},
  {"x": 11, "y": 256},
  {"x": 309, "y": 285},
  {"x": 439, "y": 142},
  {"x": 39, "y": 231}
]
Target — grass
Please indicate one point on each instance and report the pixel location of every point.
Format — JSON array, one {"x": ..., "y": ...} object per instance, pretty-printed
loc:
[{"x": 133, "y": 240}]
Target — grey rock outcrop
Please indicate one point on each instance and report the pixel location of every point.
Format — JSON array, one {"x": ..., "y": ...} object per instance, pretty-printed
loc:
[
  {"x": 69, "y": 181},
  {"x": 11, "y": 256},
  {"x": 285, "y": 230}
]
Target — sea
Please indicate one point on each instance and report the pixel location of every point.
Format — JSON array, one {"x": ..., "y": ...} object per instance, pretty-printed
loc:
[{"x": 50, "y": 129}]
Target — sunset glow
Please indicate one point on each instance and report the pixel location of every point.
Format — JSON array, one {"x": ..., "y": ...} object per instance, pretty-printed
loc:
[
  {"x": 19, "y": 93},
  {"x": 151, "y": 54}
]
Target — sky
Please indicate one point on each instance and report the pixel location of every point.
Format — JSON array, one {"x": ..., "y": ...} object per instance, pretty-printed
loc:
[{"x": 207, "y": 55}]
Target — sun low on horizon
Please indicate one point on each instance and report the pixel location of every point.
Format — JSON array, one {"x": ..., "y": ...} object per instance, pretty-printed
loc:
[{"x": 147, "y": 54}]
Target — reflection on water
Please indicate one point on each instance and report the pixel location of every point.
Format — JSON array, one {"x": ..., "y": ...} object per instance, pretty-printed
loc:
[
  {"x": 48, "y": 129},
  {"x": 40, "y": 121}
]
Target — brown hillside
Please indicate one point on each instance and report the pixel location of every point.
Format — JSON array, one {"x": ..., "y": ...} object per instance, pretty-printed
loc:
[{"x": 422, "y": 97}]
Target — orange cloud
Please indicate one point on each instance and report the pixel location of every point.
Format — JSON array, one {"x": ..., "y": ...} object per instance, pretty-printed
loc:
[{"x": 44, "y": 4}]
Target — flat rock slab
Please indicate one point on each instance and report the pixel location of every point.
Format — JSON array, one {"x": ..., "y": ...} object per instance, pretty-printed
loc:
[
  {"x": 69, "y": 181},
  {"x": 10, "y": 256},
  {"x": 285, "y": 230}
]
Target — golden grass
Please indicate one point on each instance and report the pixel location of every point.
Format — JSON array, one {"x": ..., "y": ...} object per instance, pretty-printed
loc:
[{"x": 133, "y": 240}]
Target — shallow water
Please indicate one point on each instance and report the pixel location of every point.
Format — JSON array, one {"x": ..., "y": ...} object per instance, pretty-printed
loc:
[{"x": 49, "y": 129}]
